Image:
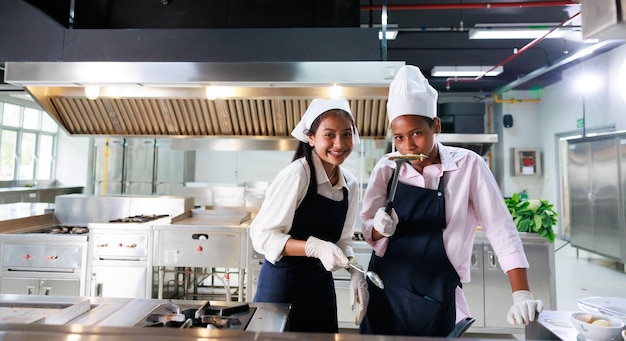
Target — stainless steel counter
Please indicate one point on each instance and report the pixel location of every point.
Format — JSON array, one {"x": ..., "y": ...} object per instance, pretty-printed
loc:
[
  {"x": 127, "y": 312},
  {"x": 10, "y": 332},
  {"x": 552, "y": 325}
]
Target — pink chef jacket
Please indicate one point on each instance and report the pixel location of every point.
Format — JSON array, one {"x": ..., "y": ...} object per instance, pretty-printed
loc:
[{"x": 472, "y": 198}]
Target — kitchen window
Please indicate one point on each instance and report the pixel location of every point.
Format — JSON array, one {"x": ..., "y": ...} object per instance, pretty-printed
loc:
[{"x": 28, "y": 140}]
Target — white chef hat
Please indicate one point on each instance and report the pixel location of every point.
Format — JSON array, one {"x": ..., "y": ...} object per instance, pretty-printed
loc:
[
  {"x": 317, "y": 107},
  {"x": 410, "y": 94}
]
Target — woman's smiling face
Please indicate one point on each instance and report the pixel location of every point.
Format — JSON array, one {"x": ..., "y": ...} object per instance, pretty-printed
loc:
[{"x": 332, "y": 140}]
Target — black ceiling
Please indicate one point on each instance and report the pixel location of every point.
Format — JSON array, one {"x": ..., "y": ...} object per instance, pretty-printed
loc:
[{"x": 430, "y": 32}]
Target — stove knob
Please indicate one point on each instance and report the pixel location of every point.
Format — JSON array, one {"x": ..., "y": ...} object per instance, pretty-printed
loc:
[
  {"x": 27, "y": 256},
  {"x": 199, "y": 248}
]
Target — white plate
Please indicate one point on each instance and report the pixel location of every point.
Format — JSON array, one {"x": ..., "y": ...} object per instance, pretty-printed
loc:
[{"x": 614, "y": 306}]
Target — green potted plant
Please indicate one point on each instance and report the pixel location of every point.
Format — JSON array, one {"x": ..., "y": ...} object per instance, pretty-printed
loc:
[{"x": 534, "y": 216}]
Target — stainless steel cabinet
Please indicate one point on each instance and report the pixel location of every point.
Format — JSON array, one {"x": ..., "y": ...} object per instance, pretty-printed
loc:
[
  {"x": 489, "y": 292},
  {"x": 108, "y": 165},
  {"x": 475, "y": 290},
  {"x": 40, "y": 286},
  {"x": 140, "y": 166},
  {"x": 117, "y": 279},
  {"x": 596, "y": 205}
]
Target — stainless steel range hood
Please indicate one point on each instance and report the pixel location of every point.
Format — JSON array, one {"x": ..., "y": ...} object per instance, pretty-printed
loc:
[{"x": 169, "y": 99}]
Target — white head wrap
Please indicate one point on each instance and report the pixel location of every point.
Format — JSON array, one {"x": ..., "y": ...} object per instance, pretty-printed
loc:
[
  {"x": 316, "y": 108},
  {"x": 410, "y": 94}
]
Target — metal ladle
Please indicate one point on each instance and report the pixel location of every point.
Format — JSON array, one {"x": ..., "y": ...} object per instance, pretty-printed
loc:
[{"x": 371, "y": 275}]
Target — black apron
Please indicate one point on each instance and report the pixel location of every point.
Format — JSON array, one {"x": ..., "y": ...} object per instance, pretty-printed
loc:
[
  {"x": 420, "y": 281},
  {"x": 303, "y": 281}
]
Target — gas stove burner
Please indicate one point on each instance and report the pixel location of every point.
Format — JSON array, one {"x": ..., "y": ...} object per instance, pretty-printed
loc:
[
  {"x": 64, "y": 230},
  {"x": 142, "y": 218}
]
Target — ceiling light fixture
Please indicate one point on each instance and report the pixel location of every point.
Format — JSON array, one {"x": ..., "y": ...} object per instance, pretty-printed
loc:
[
  {"x": 214, "y": 92},
  {"x": 335, "y": 91},
  {"x": 518, "y": 31},
  {"x": 391, "y": 31},
  {"x": 465, "y": 71},
  {"x": 92, "y": 91},
  {"x": 390, "y": 34}
]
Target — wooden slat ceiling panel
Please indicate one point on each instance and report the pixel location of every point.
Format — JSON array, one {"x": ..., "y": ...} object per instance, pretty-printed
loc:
[
  {"x": 179, "y": 126},
  {"x": 88, "y": 117},
  {"x": 271, "y": 117},
  {"x": 267, "y": 114},
  {"x": 125, "y": 124},
  {"x": 382, "y": 119},
  {"x": 214, "y": 118},
  {"x": 254, "y": 117}
]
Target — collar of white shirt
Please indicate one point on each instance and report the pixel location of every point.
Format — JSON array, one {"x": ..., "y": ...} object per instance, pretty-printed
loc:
[{"x": 321, "y": 176}]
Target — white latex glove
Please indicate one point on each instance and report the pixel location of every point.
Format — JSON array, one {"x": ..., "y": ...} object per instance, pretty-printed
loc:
[
  {"x": 525, "y": 308},
  {"x": 358, "y": 292},
  {"x": 330, "y": 254},
  {"x": 385, "y": 223}
]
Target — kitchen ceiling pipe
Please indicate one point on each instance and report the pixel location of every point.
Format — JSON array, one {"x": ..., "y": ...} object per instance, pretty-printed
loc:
[
  {"x": 481, "y": 5},
  {"x": 513, "y": 100},
  {"x": 511, "y": 57}
]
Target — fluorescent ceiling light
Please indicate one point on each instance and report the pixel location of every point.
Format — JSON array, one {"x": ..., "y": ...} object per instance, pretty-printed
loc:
[
  {"x": 92, "y": 91},
  {"x": 465, "y": 71},
  {"x": 518, "y": 31},
  {"x": 335, "y": 91},
  {"x": 214, "y": 92},
  {"x": 390, "y": 34}
]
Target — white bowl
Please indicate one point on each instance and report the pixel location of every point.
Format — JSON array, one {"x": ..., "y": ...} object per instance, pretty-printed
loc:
[
  {"x": 594, "y": 332},
  {"x": 624, "y": 334}
]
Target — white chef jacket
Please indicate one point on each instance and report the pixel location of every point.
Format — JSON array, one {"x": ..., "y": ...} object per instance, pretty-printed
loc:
[
  {"x": 270, "y": 228},
  {"x": 472, "y": 198}
]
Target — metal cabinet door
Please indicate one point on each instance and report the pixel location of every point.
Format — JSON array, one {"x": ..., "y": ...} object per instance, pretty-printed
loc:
[
  {"x": 118, "y": 280},
  {"x": 541, "y": 278},
  {"x": 19, "y": 286},
  {"x": 170, "y": 164},
  {"x": 200, "y": 248},
  {"x": 40, "y": 286},
  {"x": 111, "y": 188},
  {"x": 60, "y": 287},
  {"x": 139, "y": 160},
  {"x": 581, "y": 216},
  {"x": 474, "y": 290},
  {"x": 498, "y": 298},
  {"x": 109, "y": 160},
  {"x": 605, "y": 203}
]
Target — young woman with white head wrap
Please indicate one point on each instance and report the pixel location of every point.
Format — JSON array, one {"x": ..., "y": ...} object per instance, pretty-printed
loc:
[
  {"x": 305, "y": 224},
  {"x": 423, "y": 247}
]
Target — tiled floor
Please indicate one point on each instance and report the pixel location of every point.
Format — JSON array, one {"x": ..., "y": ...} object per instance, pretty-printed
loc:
[{"x": 579, "y": 277}]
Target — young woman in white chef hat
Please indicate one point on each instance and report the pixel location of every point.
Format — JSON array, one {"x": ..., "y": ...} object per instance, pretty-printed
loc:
[
  {"x": 423, "y": 247},
  {"x": 305, "y": 225}
]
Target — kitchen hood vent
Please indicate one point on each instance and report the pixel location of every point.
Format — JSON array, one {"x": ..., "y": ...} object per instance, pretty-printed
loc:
[{"x": 169, "y": 99}]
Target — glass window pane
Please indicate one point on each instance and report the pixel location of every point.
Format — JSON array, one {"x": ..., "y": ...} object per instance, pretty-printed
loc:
[
  {"x": 48, "y": 124},
  {"x": 11, "y": 115},
  {"x": 7, "y": 154},
  {"x": 27, "y": 157},
  {"x": 44, "y": 166},
  {"x": 31, "y": 118}
]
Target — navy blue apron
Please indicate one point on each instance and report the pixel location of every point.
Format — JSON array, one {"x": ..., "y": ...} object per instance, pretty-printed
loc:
[
  {"x": 303, "y": 281},
  {"x": 420, "y": 281}
]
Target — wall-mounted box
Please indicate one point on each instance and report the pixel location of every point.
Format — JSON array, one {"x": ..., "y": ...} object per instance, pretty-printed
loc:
[{"x": 525, "y": 161}]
